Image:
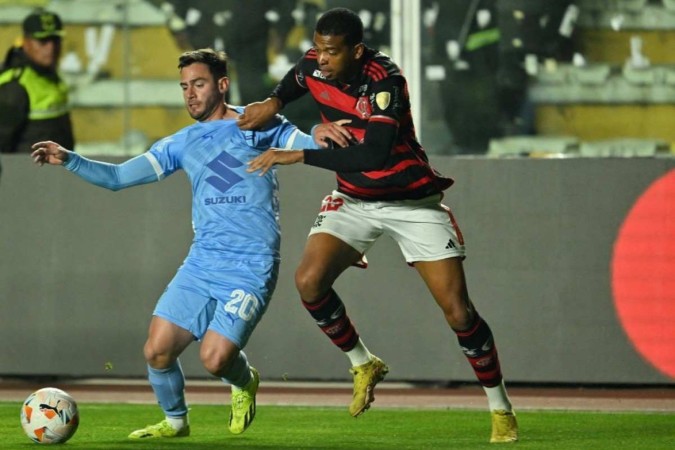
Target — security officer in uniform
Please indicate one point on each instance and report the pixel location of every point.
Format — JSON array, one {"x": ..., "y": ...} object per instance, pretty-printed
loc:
[{"x": 33, "y": 97}]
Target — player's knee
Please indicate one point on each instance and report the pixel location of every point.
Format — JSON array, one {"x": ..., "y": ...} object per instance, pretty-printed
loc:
[
  {"x": 457, "y": 312},
  {"x": 459, "y": 322},
  {"x": 157, "y": 359},
  {"x": 215, "y": 362},
  {"x": 459, "y": 319},
  {"x": 310, "y": 284}
]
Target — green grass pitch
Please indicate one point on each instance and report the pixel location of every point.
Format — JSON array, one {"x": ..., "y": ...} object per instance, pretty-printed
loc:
[{"x": 105, "y": 427}]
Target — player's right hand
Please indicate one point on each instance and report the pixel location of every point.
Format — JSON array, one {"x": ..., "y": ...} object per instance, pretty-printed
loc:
[
  {"x": 48, "y": 152},
  {"x": 258, "y": 114}
]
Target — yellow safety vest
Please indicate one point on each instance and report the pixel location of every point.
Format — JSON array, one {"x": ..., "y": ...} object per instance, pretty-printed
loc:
[{"x": 48, "y": 97}]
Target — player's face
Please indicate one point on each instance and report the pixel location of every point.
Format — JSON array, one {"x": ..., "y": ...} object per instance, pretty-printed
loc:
[
  {"x": 202, "y": 94},
  {"x": 337, "y": 60},
  {"x": 43, "y": 52}
]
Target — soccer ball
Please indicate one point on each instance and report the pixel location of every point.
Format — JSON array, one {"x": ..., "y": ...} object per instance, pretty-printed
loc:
[{"x": 49, "y": 416}]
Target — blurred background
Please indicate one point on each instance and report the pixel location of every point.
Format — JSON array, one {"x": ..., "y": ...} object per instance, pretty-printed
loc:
[
  {"x": 486, "y": 76},
  {"x": 556, "y": 118}
]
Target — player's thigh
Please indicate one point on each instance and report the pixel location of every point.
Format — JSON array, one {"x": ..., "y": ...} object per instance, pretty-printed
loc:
[
  {"x": 445, "y": 280},
  {"x": 243, "y": 292},
  {"x": 166, "y": 339},
  {"x": 187, "y": 302},
  {"x": 425, "y": 230},
  {"x": 447, "y": 284},
  {"x": 325, "y": 257}
]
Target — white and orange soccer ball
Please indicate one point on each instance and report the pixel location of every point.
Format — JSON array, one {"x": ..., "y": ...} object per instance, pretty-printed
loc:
[{"x": 50, "y": 416}]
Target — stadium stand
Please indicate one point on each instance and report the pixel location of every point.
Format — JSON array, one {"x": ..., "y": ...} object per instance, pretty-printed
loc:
[
  {"x": 616, "y": 95},
  {"x": 119, "y": 59}
]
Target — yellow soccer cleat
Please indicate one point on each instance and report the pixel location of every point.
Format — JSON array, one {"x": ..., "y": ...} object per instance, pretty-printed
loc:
[
  {"x": 161, "y": 430},
  {"x": 504, "y": 427},
  {"x": 366, "y": 376},
  {"x": 242, "y": 411}
]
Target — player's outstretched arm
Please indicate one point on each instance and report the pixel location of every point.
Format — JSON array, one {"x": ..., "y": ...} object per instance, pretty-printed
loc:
[
  {"x": 258, "y": 114},
  {"x": 49, "y": 152},
  {"x": 138, "y": 170}
]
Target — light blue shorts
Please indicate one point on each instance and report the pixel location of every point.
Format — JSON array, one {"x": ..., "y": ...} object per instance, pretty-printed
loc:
[{"x": 229, "y": 299}]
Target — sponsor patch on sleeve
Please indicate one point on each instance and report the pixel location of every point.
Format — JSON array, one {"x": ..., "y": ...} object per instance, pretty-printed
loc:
[{"x": 383, "y": 99}]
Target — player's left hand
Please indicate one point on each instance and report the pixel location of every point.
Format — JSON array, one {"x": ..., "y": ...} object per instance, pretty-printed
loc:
[
  {"x": 334, "y": 132},
  {"x": 48, "y": 152},
  {"x": 273, "y": 156}
]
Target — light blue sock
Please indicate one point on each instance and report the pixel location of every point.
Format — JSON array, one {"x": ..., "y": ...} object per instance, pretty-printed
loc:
[
  {"x": 240, "y": 372},
  {"x": 169, "y": 387}
]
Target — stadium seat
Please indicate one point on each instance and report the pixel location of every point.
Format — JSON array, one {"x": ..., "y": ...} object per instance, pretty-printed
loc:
[
  {"x": 648, "y": 75},
  {"x": 624, "y": 147},
  {"x": 533, "y": 146},
  {"x": 613, "y": 5},
  {"x": 556, "y": 75},
  {"x": 595, "y": 74}
]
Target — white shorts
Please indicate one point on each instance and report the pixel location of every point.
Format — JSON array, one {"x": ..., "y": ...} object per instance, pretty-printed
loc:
[{"x": 424, "y": 229}]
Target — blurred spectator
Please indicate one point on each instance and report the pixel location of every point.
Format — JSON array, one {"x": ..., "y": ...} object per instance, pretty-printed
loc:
[
  {"x": 465, "y": 41},
  {"x": 375, "y": 17},
  {"x": 242, "y": 29},
  {"x": 484, "y": 46},
  {"x": 33, "y": 97},
  {"x": 531, "y": 32},
  {"x": 296, "y": 30}
]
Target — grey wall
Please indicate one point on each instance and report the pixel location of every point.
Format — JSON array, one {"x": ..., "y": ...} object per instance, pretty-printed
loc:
[{"x": 81, "y": 269}]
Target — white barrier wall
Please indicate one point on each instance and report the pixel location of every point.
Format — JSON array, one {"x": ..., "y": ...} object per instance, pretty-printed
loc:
[{"x": 81, "y": 269}]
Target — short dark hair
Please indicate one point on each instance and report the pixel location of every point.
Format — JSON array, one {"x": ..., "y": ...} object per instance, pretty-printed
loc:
[
  {"x": 341, "y": 22},
  {"x": 216, "y": 61}
]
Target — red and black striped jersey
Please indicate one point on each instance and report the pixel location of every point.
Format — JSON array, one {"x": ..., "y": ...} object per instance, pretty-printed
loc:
[{"x": 378, "y": 104}]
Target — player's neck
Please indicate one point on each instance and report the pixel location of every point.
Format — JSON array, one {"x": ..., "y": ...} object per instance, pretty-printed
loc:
[{"x": 229, "y": 113}]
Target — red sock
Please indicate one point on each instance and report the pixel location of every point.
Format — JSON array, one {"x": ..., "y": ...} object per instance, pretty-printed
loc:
[
  {"x": 478, "y": 346},
  {"x": 331, "y": 316}
]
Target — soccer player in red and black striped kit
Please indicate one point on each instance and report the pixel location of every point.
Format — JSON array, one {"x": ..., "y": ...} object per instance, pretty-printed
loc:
[{"x": 385, "y": 186}]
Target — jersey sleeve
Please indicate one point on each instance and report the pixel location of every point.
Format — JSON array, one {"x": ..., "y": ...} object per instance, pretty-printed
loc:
[
  {"x": 167, "y": 153},
  {"x": 389, "y": 100},
  {"x": 281, "y": 133},
  {"x": 369, "y": 155},
  {"x": 142, "y": 169},
  {"x": 389, "y": 104}
]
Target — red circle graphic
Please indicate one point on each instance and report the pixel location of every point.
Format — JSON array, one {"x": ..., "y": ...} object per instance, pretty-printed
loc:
[{"x": 643, "y": 274}]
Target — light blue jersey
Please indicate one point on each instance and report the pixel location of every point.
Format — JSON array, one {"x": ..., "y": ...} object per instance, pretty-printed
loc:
[
  {"x": 234, "y": 213},
  {"x": 234, "y": 256}
]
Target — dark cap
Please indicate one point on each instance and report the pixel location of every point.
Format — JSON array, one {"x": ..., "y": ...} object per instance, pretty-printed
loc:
[{"x": 42, "y": 24}]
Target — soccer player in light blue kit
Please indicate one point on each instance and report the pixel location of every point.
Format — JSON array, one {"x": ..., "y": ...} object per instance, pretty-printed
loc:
[{"x": 224, "y": 285}]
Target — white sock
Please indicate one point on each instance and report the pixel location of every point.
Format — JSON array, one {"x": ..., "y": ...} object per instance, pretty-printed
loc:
[
  {"x": 178, "y": 422},
  {"x": 359, "y": 355},
  {"x": 497, "y": 397}
]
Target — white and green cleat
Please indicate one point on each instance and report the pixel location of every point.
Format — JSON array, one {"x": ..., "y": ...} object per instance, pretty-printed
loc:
[{"x": 161, "y": 430}]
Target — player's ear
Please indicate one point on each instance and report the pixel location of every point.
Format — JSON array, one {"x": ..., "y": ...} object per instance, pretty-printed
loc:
[
  {"x": 223, "y": 84},
  {"x": 358, "y": 50}
]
